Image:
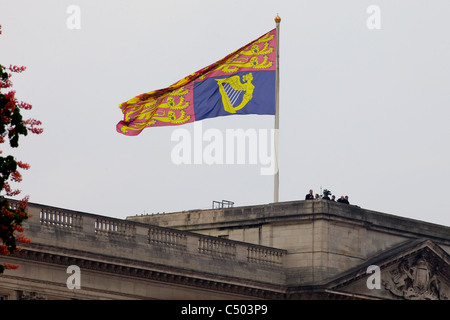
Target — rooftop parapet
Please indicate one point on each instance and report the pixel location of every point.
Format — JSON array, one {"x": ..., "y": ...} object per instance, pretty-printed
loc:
[{"x": 75, "y": 233}]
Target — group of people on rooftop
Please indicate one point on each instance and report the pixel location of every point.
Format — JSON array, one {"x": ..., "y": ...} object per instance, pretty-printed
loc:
[{"x": 326, "y": 193}]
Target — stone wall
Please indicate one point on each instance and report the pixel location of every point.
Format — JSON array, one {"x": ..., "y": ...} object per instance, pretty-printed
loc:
[
  {"x": 126, "y": 258},
  {"x": 272, "y": 251},
  {"x": 322, "y": 238}
]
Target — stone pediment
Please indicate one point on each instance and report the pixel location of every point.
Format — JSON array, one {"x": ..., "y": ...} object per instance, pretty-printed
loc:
[{"x": 415, "y": 270}]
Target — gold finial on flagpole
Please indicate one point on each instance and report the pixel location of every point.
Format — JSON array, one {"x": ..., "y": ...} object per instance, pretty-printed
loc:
[{"x": 277, "y": 19}]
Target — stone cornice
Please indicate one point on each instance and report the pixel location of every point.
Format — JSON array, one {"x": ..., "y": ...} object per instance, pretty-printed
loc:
[{"x": 143, "y": 243}]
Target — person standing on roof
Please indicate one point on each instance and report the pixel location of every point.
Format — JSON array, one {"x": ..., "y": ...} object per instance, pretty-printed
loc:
[{"x": 310, "y": 195}]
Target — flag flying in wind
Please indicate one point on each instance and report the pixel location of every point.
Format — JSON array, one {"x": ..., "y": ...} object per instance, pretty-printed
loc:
[{"x": 241, "y": 83}]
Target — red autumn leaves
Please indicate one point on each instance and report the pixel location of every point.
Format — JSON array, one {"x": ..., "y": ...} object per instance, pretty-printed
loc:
[{"x": 12, "y": 126}]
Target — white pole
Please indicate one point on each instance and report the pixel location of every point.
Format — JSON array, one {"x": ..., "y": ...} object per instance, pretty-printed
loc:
[{"x": 276, "y": 181}]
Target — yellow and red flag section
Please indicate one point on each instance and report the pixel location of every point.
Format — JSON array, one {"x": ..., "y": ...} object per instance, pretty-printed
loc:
[{"x": 241, "y": 83}]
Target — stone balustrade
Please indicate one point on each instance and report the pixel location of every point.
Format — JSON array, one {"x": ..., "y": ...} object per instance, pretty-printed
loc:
[
  {"x": 51, "y": 227},
  {"x": 169, "y": 238},
  {"x": 217, "y": 247},
  {"x": 110, "y": 227},
  {"x": 60, "y": 219},
  {"x": 257, "y": 254}
]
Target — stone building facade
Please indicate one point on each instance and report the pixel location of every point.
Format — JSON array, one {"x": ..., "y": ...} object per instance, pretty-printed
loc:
[{"x": 288, "y": 250}]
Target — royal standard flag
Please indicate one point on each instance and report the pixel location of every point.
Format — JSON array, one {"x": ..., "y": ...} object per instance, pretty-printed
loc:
[{"x": 241, "y": 83}]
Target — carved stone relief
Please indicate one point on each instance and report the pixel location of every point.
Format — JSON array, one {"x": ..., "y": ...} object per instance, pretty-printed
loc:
[
  {"x": 30, "y": 295},
  {"x": 417, "y": 278}
]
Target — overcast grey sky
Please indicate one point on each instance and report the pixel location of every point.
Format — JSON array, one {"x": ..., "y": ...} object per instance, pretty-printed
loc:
[{"x": 363, "y": 112}]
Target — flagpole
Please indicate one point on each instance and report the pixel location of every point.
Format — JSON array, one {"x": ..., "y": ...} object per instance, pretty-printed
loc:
[{"x": 276, "y": 181}]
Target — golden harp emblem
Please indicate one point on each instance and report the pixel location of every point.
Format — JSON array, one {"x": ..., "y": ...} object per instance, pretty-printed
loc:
[{"x": 235, "y": 94}]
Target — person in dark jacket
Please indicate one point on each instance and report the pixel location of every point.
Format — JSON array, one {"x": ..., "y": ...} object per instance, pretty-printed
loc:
[{"x": 343, "y": 199}]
